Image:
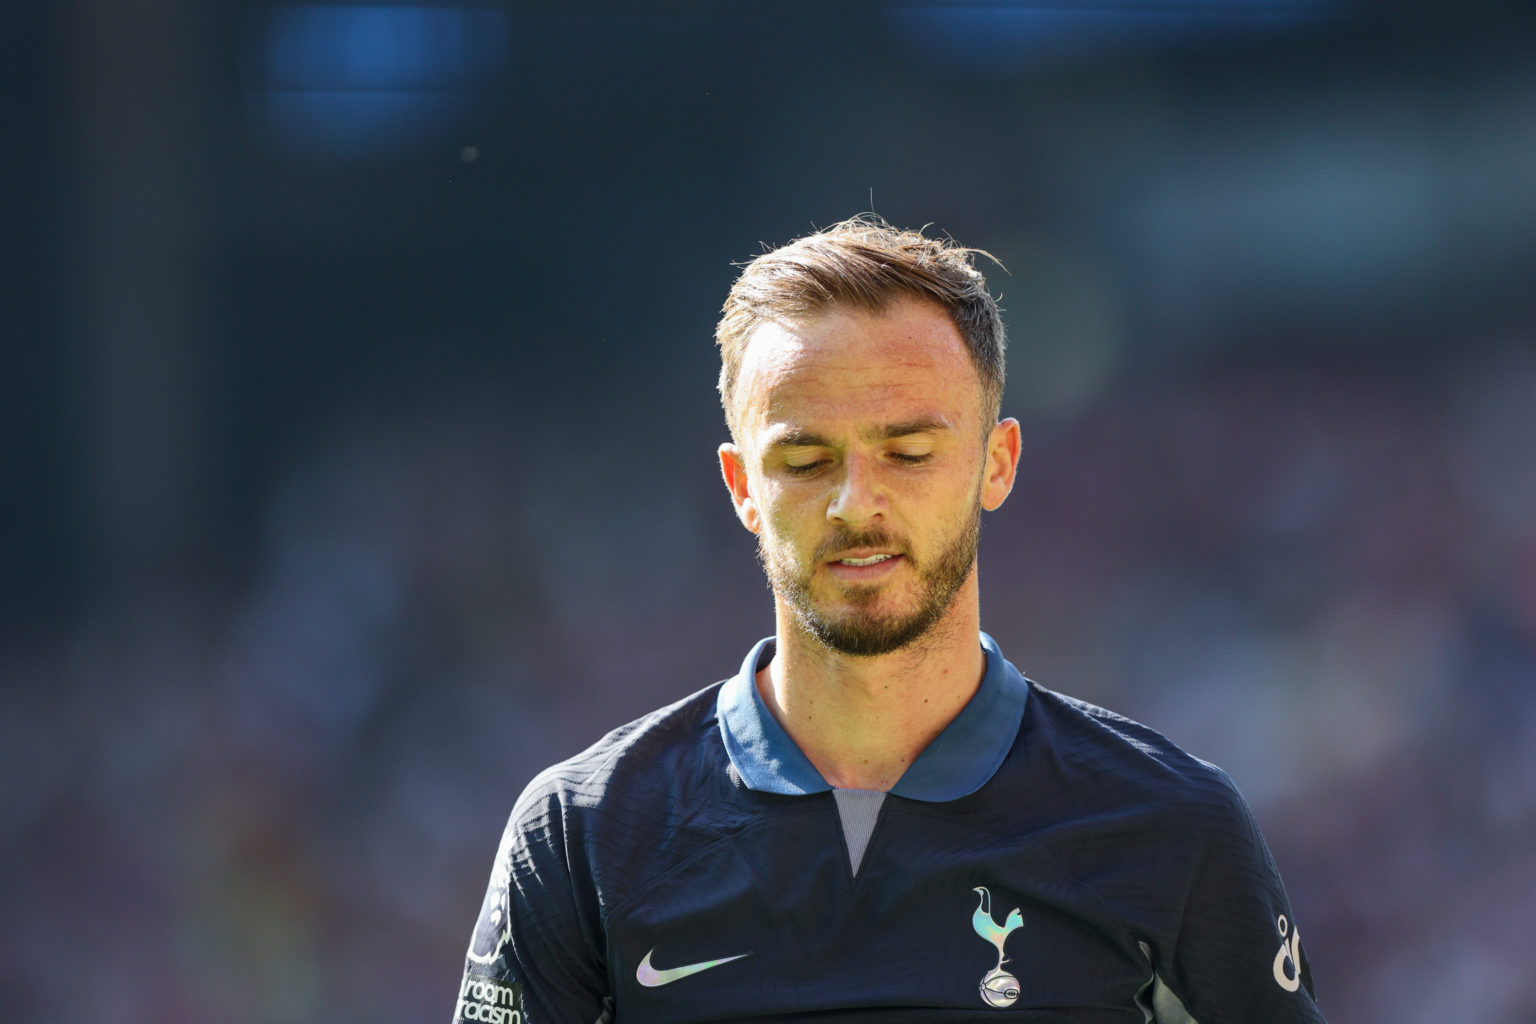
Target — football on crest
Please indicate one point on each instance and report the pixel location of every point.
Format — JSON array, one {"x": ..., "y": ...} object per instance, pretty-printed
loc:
[{"x": 999, "y": 988}]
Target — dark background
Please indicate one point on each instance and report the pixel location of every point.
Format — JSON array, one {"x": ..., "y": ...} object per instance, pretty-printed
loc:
[{"x": 358, "y": 431}]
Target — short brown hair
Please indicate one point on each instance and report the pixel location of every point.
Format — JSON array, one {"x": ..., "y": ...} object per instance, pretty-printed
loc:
[{"x": 865, "y": 264}]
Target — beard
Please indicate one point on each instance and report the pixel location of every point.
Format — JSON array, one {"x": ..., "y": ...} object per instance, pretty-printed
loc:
[{"x": 861, "y": 631}]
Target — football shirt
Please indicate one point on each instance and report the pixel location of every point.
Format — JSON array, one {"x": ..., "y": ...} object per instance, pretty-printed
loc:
[{"x": 1042, "y": 859}]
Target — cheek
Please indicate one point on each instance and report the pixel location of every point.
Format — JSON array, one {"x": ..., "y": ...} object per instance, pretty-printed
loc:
[
  {"x": 778, "y": 525},
  {"x": 942, "y": 505},
  {"x": 787, "y": 517}
]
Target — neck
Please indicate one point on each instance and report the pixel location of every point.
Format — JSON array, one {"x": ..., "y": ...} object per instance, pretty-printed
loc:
[{"x": 862, "y": 721}]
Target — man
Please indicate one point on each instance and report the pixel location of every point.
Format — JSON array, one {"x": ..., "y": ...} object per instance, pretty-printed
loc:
[{"x": 878, "y": 817}]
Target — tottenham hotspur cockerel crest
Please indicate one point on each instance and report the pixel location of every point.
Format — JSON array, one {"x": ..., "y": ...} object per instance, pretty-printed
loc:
[{"x": 998, "y": 988}]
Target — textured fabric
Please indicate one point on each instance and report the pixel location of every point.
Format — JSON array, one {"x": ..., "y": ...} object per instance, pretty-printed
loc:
[
  {"x": 857, "y": 809},
  {"x": 1098, "y": 872}
]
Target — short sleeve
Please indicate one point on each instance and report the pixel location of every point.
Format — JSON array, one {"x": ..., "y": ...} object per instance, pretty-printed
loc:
[
  {"x": 530, "y": 960},
  {"x": 1238, "y": 954}
]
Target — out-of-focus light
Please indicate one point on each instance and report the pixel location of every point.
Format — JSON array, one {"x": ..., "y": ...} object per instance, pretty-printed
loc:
[
  {"x": 1004, "y": 37},
  {"x": 1065, "y": 326},
  {"x": 368, "y": 82}
]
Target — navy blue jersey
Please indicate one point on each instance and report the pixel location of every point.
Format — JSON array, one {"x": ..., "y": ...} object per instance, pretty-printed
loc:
[{"x": 1042, "y": 858}]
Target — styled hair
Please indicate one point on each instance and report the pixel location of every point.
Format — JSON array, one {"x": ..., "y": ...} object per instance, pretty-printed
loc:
[{"x": 862, "y": 264}]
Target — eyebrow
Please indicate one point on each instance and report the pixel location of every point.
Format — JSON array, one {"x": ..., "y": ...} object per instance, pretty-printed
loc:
[
  {"x": 922, "y": 425},
  {"x": 796, "y": 438}
]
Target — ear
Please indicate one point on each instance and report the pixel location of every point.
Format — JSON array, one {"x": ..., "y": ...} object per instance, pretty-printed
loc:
[
  {"x": 1002, "y": 463},
  {"x": 733, "y": 468}
]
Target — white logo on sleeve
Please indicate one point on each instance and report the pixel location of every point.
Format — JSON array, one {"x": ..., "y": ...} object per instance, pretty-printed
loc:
[
  {"x": 493, "y": 931},
  {"x": 489, "y": 1001},
  {"x": 1288, "y": 959}
]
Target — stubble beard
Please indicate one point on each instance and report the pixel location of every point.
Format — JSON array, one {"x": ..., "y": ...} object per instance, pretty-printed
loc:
[{"x": 860, "y": 631}]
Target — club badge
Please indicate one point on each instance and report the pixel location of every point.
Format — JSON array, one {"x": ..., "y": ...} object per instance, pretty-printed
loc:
[{"x": 998, "y": 988}]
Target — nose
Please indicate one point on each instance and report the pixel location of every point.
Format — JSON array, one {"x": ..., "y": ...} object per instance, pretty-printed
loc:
[{"x": 858, "y": 497}]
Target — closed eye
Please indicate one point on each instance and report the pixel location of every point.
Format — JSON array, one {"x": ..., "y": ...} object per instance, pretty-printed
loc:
[{"x": 909, "y": 459}]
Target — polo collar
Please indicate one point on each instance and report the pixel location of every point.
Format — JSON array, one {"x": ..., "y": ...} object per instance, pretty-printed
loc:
[{"x": 957, "y": 763}]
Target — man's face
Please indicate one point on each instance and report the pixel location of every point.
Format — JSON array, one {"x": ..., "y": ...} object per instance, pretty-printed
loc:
[{"x": 863, "y": 469}]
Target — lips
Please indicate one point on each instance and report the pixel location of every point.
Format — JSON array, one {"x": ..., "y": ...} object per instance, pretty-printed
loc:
[
  {"x": 864, "y": 565},
  {"x": 866, "y": 556},
  {"x": 871, "y": 560}
]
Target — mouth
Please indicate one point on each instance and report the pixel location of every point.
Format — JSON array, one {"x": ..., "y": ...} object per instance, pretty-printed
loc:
[
  {"x": 871, "y": 560},
  {"x": 864, "y": 565}
]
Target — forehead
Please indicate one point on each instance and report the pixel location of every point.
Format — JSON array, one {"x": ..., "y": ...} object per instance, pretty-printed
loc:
[{"x": 853, "y": 368}]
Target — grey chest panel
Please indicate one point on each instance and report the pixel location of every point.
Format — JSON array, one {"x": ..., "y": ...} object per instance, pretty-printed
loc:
[{"x": 858, "y": 809}]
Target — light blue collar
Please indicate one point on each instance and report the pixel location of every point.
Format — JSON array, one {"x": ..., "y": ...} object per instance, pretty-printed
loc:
[{"x": 957, "y": 763}]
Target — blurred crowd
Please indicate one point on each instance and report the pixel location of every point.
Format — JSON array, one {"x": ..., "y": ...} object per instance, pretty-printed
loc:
[{"x": 276, "y": 797}]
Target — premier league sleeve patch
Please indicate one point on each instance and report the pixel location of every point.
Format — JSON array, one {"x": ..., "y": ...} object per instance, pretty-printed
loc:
[
  {"x": 487, "y": 995},
  {"x": 493, "y": 930}
]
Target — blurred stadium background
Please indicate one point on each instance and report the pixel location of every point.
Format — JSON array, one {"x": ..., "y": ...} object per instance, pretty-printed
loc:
[{"x": 359, "y": 435}]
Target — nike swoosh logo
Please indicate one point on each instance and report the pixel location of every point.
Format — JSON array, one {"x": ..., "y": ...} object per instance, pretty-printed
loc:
[{"x": 650, "y": 977}]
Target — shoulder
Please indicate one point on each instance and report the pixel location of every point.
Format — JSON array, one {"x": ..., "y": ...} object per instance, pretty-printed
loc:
[
  {"x": 647, "y": 792},
  {"x": 640, "y": 758},
  {"x": 1169, "y": 845},
  {"x": 1127, "y": 807},
  {"x": 597, "y": 826},
  {"x": 566, "y": 852},
  {"x": 1128, "y": 765}
]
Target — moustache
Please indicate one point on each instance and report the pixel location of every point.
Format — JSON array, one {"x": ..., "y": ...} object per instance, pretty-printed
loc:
[{"x": 845, "y": 540}]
